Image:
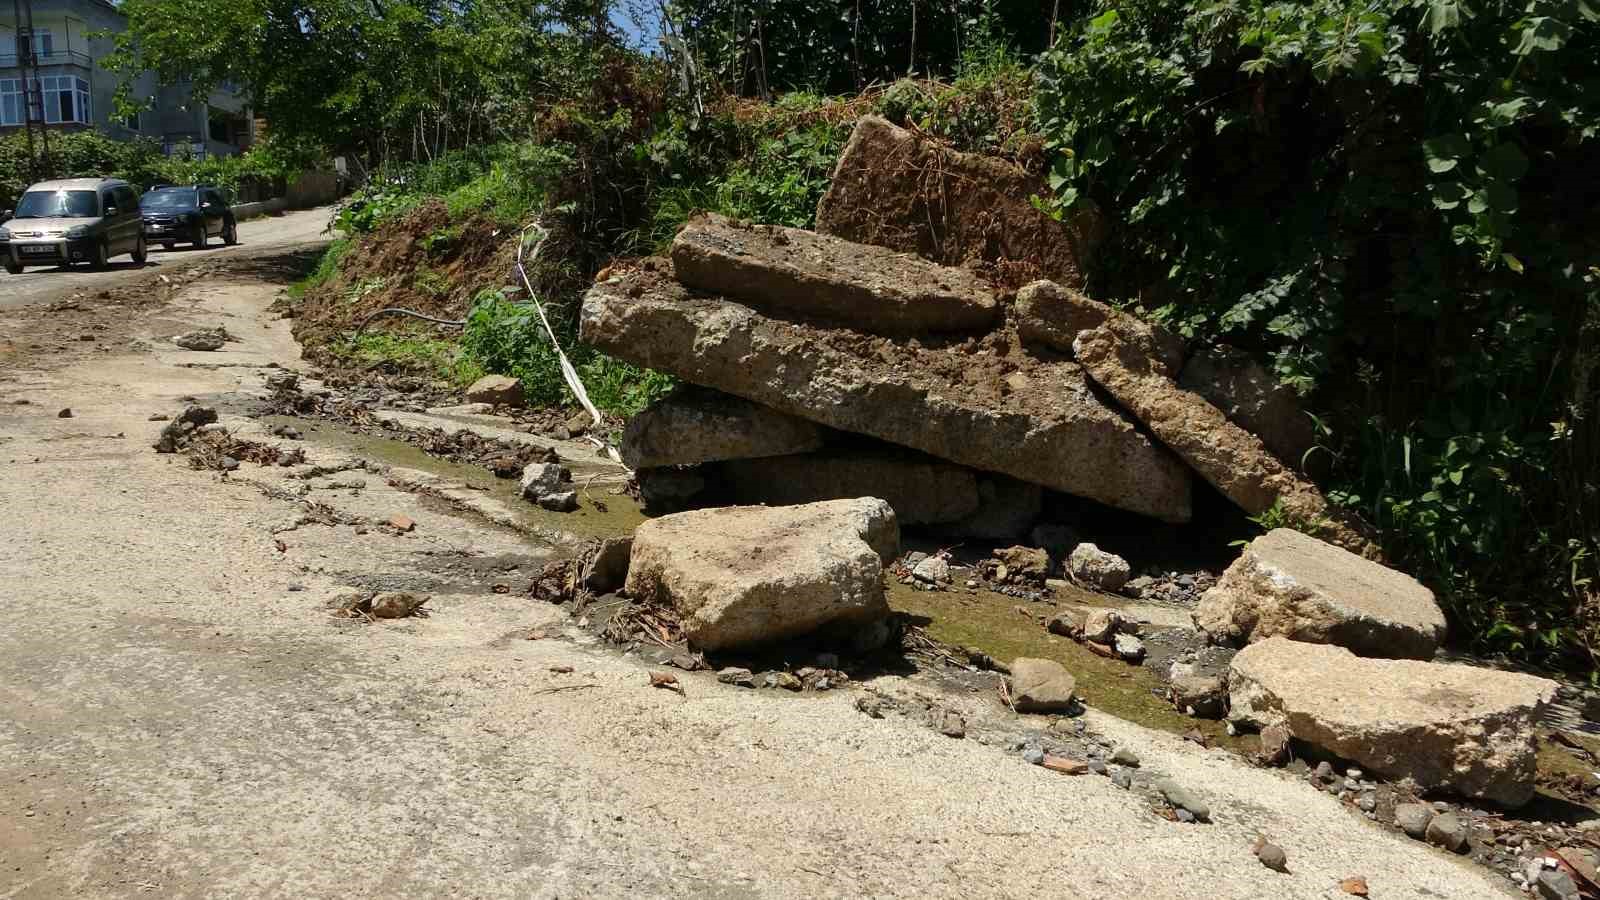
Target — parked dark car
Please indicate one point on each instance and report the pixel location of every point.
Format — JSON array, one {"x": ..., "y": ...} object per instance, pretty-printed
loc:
[
  {"x": 188, "y": 215},
  {"x": 74, "y": 220}
]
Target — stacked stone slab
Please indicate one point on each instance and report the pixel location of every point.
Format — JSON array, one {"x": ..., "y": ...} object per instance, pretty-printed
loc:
[{"x": 909, "y": 392}]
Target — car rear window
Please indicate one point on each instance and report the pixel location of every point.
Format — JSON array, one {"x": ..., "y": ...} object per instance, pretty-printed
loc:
[
  {"x": 52, "y": 204},
  {"x": 169, "y": 199}
]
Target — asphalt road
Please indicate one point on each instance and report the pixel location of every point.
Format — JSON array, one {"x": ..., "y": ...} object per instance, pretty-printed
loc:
[{"x": 269, "y": 233}]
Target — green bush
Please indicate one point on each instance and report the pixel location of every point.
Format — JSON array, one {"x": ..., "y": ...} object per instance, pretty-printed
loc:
[
  {"x": 506, "y": 338},
  {"x": 1346, "y": 187}
]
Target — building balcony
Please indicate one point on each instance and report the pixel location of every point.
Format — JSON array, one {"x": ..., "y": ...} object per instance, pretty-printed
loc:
[{"x": 53, "y": 58}]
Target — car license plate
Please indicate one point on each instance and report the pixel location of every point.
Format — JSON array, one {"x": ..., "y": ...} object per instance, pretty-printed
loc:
[{"x": 38, "y": 249}]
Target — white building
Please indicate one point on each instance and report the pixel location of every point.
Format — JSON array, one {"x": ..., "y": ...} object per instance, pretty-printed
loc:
[{"x": 73, "y": 91}]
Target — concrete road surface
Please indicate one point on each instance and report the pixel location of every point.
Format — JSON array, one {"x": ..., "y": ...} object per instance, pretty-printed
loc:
[{"x": 181, "y": 716}]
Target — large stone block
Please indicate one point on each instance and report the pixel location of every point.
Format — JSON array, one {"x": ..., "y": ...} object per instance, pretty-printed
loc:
[
  {"x": 696, "y": 426},
  {"x": 901, "y": 190},
  {"x": 815, "y": 276},
  {"x": 1291, "y": 584},
  {"x": 921, "y": 490},
  {"x": 746, "y": 575},
  {"x": 978, "y": 403},
  {"x": 1451, "y": 727},
  {"x": 1253, "y": 399},
  {"x": 1232, "y": 459}
]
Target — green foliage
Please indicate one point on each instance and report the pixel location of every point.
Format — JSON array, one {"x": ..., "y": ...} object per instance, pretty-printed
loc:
[
  {"x": 327, "y": 267},
  {"x": 506, "y": 338},
  {"x": 1381, "y": 196}
]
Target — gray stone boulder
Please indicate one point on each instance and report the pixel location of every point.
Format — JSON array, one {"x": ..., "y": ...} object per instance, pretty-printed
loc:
[
  {"x": 1049, "y": 314},
  {"x": 869, "y": 288},
  {"x": 899, "y": 189},
  {"x": 1233, "y": 460},
  {"x": 1041, "y": 685},
  {"x": 499, "y": 390},
  {"x": 1091, "y": 566},
  {"x": 935, "y": 397},
  {"x": 747, "y": 575},
  {"x": 697, "y": 426},
  {"x": 1290, "y": 584},
  {"x": 1249, "y": 395},
  {"x": 1447, "y": 727},
  {"x": 540, "y": 480}
]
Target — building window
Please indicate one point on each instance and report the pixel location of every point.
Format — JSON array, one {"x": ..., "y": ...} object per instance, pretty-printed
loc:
[
  {"x": 44, "y": 44},
  {"x": 219, "y": 130},
  {"x": 11, "y": 103},
  {"x": 66, "y": 99}
]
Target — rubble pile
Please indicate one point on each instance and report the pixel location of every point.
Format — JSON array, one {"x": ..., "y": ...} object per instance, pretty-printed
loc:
[{"x": 823, "y": 368}]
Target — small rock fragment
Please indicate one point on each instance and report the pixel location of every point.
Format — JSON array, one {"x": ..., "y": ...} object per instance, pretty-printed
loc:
[
  {"x": 1447, "y": 831},
  {"x": 1091, "y": 566},
  {"x": 1064, "y": 765},
  {"x": 952, "y": 725},
  {"x": 560, "y": 501},
  {"x": 1125, "y": 757},
  {"x": 1355, "y": 885},
  {"x": 1128, "y": 647},
  {"x": 746, "y": 678},
  {"x": 933, "y": 570},
  {"x": 402, "y": 523},
  {"x": 64, "y": 414},
  {"x": 396, "y": 605},
  {"x": 1554, "y": 884},
  {"x": 1033, "y": 756},
  {"x": 1271, "y": 855},
  {"x": 1182, "y": 798}
]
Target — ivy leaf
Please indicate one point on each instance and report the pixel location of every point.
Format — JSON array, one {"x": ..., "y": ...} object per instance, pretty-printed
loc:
[
  {"x": 1444, "y": 152},
  {"x": 1512, "y": 263},
  {"x": 1543, "y": 33},
  {"x": 1442, "y": 15}
]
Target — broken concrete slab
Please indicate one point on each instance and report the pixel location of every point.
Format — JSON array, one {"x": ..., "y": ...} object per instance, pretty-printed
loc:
[
  {"x": 1041, "y": 685},
  {"x": 1445, "y": 726},
  {"x": 791, "y": 271},
  {"x": 502, "y": 390},
  {"x": 933, "y": 396},
  {"x": 922, "y": 490},
  {"x": 1232, "y": 459},
  {"x": 748, "y": 575},
  {"x": 1049, "y": 314},
  {"x": 1253, "y": 399},
  {"x": 901, "y": 190},
  {"x": 697, "y": 426},
  {"x": 1291, "y": 584}
]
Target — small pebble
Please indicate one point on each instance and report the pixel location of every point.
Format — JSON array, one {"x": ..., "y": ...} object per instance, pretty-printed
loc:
[
  {"x": 1183, "y": 815},
  {"x": 1033, "y": 755}
]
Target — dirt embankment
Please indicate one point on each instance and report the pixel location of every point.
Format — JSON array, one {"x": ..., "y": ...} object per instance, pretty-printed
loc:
[{"x": 420, "y": 261}]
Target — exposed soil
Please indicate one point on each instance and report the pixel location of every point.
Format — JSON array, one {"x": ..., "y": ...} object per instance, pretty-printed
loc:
[{"x": 420, "y": 261}]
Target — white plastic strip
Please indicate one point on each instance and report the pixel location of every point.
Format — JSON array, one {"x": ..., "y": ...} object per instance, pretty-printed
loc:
[{"x": 570, "y": 374}]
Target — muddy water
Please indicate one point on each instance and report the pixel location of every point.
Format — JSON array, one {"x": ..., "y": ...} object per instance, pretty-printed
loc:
[
  {"x": 620, "y": 516},
  {"x": 985, "y": 620},
  {"x": 992, "y": 623}
]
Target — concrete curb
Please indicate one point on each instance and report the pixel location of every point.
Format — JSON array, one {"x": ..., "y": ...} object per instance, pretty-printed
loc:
[{"x": 243, "y": 211}]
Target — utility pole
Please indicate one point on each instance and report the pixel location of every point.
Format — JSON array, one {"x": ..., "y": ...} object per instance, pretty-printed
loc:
[{"x": 32, "y": 84}]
